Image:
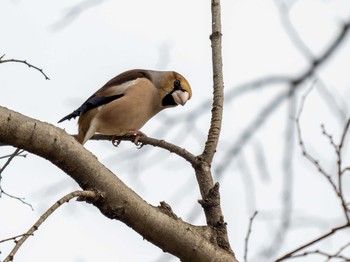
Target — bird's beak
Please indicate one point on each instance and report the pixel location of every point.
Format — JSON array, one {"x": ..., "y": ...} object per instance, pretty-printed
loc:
[{"x": 180, "y": 97}]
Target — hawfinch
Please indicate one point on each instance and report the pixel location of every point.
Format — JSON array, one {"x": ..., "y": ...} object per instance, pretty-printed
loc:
[{"x": 126, "y": 102}]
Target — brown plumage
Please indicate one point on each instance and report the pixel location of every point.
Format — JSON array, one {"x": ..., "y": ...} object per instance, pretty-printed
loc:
[{"x": 125, "y": 103}]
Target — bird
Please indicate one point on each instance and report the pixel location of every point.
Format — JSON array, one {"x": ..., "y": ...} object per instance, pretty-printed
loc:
[{"x": 126, "y": 102}]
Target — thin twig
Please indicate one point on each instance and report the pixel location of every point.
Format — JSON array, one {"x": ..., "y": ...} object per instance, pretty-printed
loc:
[
  {"x": 12, "y": 156},
  {"x": 333, "y": 230},
  {"x": 24, "y": 62},
  {"x": 341, "y": 249},
  {"x": 337, "y": 190},
  {"x": 328, "y": 177},
  {"x": 302, "y": 145},
  {"x": 345, "y": 169},
  {"x": 13, "y": 238},
  {"x": 322, "y": 253},
  {"x": 338, "y": 151},
  {"x": 66, "y": 198},
  {"x": 340, "y": 170},
  {"x": 9, "y": 155},
  {"x": 248, "y": 235},
  {"x": 295, "y": 82},
  {"x": 21, "y": 199},
  {"x": 145, "y": 140},
  {"x": 17, "y": 152},
  {"x": 330, "y": 137}
]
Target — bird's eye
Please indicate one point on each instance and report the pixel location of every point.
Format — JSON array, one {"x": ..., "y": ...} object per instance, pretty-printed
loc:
[{"x": 177, "y": 84}]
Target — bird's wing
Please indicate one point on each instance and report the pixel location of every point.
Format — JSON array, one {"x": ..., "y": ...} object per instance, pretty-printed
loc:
[
  {"x": 92, "y": 102},
  {"x": 112, "y": 90}
]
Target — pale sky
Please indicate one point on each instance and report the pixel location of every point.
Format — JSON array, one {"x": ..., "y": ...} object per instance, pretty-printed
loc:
[{"x": 84, "y": 51}]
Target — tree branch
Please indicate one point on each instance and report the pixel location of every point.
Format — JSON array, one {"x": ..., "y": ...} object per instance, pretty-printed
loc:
[
  {"x": 292, "y": 83},
  {"x": 23, "y": 62},
  {"x": 117, "y": 201},
  {"x": 333, "y": 230},
  {"x": 145, "y": 140},
  {"x": 17, "y": 152},
  {"x": 12, "y": 238},
  {"x": 209, "y": 191},
  {"x": 248, "y": 235},
  {"x": 218, "y": 98},
  {"x": 30, "y": 232}
]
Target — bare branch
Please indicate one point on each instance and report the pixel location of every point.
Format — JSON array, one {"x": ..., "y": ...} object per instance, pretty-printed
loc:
[
  {"x": 322, "y": 253},
  {"x": 340, "y": 171},
  {"x": 330, "y": 137},
  {"x": 21, "y": 199},
  {"x": 74, "y": 12},
  {"x": 338, "y": 150},
  {"x": 209, "y": 191},
  {"x": 338, "y": 190},
  {"x": 218, "y": 98},
  {"x": 145, "y": 140},
  {"x": 303, "y": 148},
  {"x": 118, "y": 201},
  {"x": 248, "y": 235},
  {"x": 30, "y": 232},
  {"x": 322, "y": 237},
  {"x": 250, "y": 131},
  {"x": 341, "y": 250},
  {"x": 16, "y": 153},
  {"x": 294, "y": 83},
  {"x": 291, "y": 31},
  {"x": 23, "y": 62},
  {"x": 12, "y": 238},
  {"x": 20, "y": 154}
]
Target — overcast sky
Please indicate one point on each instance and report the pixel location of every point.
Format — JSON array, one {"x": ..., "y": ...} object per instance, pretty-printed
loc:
[{"x": 81, "y": 49}]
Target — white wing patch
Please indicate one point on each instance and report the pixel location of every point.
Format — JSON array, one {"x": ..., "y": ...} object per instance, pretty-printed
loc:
[{"x": 120, "y": 89}]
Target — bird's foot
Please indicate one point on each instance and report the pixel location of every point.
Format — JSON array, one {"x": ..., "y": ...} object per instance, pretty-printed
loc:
[
  {"x": 115, "y": 141},
  {"x": 137, "y": 135}
]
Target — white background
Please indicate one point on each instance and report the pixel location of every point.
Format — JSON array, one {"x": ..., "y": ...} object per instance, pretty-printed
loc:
[{"x": 80, "y": 51}]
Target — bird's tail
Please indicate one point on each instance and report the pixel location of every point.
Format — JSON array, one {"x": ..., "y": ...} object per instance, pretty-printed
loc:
[{"x": 71, "y": 115}]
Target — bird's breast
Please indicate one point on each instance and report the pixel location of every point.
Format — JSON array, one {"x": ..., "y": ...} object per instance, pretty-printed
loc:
[{"x": 129, "y": 112}]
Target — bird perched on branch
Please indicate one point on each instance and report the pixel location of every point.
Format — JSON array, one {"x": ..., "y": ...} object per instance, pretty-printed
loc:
[{"x": 126, "y": 102}]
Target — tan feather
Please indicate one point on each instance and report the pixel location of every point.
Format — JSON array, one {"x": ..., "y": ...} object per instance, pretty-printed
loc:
[{"x": 128, "y": 101}]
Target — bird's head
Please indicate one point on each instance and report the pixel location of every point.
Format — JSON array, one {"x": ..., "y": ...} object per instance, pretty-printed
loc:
[{"x": 176, "y": 88}]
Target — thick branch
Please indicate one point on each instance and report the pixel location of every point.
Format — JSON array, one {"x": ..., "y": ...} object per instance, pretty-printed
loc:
[
  {"x": 209, "y": 191},
  {"x": 181, "y": 239}
]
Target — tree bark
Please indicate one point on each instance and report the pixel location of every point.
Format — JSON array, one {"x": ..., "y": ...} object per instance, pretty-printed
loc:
[{"x": 116, "y": 201}]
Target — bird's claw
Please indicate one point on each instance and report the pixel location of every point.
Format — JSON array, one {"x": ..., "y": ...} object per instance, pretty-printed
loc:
[
  {"x": 115, "y": 141},
  {"x": 139, "y": 145},
  {"x": 137, "y": 135}
]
